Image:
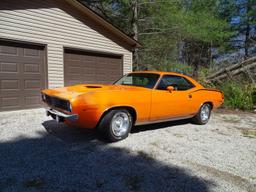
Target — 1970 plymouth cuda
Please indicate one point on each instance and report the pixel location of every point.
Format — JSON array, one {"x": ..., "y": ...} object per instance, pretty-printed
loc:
[{"x": 137, "y": 98}]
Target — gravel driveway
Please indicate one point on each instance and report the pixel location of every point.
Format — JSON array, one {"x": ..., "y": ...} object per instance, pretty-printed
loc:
[{"x": 36, "y": 154}]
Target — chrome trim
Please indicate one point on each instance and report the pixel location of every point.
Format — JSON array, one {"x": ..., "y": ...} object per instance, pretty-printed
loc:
[
  {"x": 205, "y": 112},
  {"x": 163, "y": 75},
  {"x": 158, "y": 81},
  {"x": 164, "y": 120},
  {"x": 120, "y": 124},
  {"x": 71, "y": 117}
]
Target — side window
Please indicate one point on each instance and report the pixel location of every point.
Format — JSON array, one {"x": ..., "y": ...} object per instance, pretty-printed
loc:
[{"x": 179, "y": 83}]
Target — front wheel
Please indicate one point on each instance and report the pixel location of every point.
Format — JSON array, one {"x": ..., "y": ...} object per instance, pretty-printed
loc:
[
  {"x": 203, "y": 116},
  {"x": 116, "y": 124}
]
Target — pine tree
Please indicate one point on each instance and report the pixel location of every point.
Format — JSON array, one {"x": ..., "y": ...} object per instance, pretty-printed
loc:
[
  {"x": 242, "y": 16},
  {"x": 164, "y": 26}
]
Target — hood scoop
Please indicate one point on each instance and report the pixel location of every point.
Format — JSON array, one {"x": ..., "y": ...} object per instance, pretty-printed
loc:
[{"x": 93, "y": 86}]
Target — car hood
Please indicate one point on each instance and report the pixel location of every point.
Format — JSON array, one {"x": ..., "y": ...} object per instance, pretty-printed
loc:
[{"x": 76, "y": 90}]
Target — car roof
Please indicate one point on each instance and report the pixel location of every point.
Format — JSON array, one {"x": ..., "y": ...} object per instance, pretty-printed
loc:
[
  {"x": 172, "y": 73},
  {"x": 160, "y": 72}
]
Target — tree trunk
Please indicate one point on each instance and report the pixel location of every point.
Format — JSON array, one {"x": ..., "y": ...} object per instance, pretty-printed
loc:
[
  {"x": 247, "y": 32},
  {"x": 135, "y": 33},
  {"x": 195, "y": 71},
  {"x": 246, "y": 43}
]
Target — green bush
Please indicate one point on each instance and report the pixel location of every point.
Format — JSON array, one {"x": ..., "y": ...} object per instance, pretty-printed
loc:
[
  {"x": 239, "y": 96},
  {"x": 254, "y": 96}
]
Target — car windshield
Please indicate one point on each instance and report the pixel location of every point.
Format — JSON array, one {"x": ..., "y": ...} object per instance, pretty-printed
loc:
[{"x": 147, "y": 80}]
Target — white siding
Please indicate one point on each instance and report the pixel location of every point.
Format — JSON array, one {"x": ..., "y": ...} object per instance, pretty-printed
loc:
[{"x": 56, "y": 28}]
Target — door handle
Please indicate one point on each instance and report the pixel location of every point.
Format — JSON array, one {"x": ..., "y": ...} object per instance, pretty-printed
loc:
[{"x": 190, "y": 96}]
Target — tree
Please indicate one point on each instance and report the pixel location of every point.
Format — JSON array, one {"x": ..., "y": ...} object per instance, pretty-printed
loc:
[
  {"x": 167, "y": 29},
  {"x": 247, "y": 9},
  {"x": 242, "y": 16},
  {"x": 200, "y": 29}
]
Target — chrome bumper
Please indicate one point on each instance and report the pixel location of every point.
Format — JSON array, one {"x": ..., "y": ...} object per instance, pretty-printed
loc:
[{"x": 59, "y": 116}]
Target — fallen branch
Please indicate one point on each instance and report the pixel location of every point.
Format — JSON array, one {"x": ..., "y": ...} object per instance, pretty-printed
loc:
[
  {"x": 231, "y": 72},
  {"x": 231, "y": 68}
]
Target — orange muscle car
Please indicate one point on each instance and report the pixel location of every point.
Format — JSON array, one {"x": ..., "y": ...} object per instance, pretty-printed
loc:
[{"x": 137, "y": 98}]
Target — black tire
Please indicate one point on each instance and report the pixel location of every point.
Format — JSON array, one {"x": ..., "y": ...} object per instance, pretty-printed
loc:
[
  {"x": 198, "y": 118},
  {"x": 107, "y": 124}
]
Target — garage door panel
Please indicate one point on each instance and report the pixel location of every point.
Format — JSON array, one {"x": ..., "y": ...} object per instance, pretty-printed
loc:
[
  {"x": 28, "y": 60},
  {"x": 8, "y": 50},
  {"x": 75, "y": 63},
  {"x": 32, "y": 85},
  {"x": 32, "y": 100},
  {"x": 102, "y": 64},
  {"x": 114, "y": 77},
  {"x": 9, "y": 59},
  {"x": 72, "y": 57},
  {"x": 74, "y": 70},
  {"x": 87, "y": 67},
  {"x": 31, "y": 53},
  {"x": 10, "y": 103},
  {"x": 22, "y": 75},
  {"x": 85, "y": 76},
  {"x": 32, "y": 68},
  {"x": 20, "y": 102},
  {"x": 9, "y": 67},
  {"x": 112, "y": 67},
  {"x": 87, "y": 64},
  {"x": 87, "y": 57},
  {"x": 74, "y": 82},
  {"x": 10, "y": 84},
  {"x": 88, "y": 71}
]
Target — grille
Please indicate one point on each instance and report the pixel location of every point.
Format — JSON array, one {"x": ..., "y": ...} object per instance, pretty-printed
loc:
[{"x": 57, "y": 102}]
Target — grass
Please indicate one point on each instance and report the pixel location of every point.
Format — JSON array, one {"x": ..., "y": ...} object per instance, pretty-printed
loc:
[
  {"x": 178, "y": 135},
  {"x": 231, "y": 119},
  {"x": 253, "y": 177},
  {"x": 249, "y": 133}
]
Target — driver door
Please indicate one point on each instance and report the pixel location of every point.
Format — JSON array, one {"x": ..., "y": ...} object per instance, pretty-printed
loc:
[{"x": 175, "y": 104}]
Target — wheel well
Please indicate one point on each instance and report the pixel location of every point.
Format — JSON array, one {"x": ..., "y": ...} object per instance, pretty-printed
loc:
[
  {"x": 210, "y": 103},
  {"x": 131, "y": 110}
]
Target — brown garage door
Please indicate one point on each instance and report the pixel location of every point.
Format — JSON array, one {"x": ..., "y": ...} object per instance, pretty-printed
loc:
[
  {"x": 86, "y": 67},
  {"x": 22, "y": 75}
]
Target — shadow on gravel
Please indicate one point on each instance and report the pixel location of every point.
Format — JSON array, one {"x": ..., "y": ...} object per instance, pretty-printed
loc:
[
  {"x": 154, "y": 126},
  {"x": 68, "y": 160}
]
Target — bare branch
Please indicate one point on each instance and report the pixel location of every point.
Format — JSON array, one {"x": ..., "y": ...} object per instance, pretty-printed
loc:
[
  {"x": 152, "y": 2},
  {"x": 152, "y": 33}
]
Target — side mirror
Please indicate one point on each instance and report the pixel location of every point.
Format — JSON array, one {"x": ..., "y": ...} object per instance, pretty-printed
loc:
[{"x": 170, "y": 88}]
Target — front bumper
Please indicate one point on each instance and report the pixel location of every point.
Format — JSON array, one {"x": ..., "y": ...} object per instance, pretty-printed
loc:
[{"x": 60, "y": 116}]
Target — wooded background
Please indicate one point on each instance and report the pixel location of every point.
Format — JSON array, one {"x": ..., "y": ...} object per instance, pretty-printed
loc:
[{"x": 206, "y": 39}]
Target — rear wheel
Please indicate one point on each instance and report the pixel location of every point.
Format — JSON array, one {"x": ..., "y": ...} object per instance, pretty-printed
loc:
[
  {"x": 116, "y": 124},
  {"x": 203, "y": 116}
]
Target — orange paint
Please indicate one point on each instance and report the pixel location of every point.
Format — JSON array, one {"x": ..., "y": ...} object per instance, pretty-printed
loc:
[{"x": 91, "y": 101}]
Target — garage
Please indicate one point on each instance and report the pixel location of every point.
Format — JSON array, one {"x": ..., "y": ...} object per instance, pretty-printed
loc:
[
  {"x": 22, "y": 75},
  {"x": 54, "y": 44},
  {"x": 91, "y": 67}
]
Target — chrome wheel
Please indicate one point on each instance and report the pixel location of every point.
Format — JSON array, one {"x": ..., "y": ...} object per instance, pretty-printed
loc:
[
  {"x": 120, "y": 124},
  {"x": 205, "y": 112}
]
